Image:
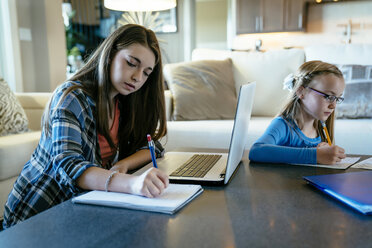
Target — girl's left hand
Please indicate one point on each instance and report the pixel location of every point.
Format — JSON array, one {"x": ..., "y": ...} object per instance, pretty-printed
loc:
[
  {"x": 322, "y": 144},
  {"x": 120, "y": 166}
]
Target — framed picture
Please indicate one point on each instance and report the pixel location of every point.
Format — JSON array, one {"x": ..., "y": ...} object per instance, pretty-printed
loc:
[
  {"x": 159, "y": 21},
  {"x": 167, "y": 20}
]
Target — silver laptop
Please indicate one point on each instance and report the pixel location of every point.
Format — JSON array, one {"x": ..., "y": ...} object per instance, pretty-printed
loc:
[{"x": 212, "y": 168}]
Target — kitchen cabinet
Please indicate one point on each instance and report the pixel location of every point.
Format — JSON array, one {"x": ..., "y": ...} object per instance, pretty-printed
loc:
[
  {"x": 295, "y": 15},
  {"x": 272, "y": 15},
  {"x": 259, "y": 16},
  {"x": 248, "y": 16}
]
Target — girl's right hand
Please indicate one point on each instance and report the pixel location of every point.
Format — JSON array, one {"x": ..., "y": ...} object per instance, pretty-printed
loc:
[
  {"x": 329, "y": 154},
  {"x": 150, "y": 184}
]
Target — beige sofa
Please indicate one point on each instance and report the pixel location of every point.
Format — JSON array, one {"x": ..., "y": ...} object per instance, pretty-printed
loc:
[
  {"x": 15, "y": 150},
  {"x": 269, "y": 69}
]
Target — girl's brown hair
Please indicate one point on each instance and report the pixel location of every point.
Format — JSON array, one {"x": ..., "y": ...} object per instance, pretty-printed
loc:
[
  {"x": 142, "y": 112},
  {"x": 304, "y": 77}
]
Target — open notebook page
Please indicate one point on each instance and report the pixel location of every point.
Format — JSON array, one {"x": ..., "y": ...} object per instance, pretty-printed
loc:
[
  {"x": 364, "y": 164},
  {"x": 343, "y": 164},
  {"x": 173, "y": 198}
]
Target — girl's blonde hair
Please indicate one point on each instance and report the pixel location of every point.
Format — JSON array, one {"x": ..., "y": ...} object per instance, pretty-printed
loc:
[
  {"x": 142, "y": 112},
  {"x": 304, "y": 77}
]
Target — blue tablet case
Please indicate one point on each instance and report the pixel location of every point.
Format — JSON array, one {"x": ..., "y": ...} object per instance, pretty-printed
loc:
[{"x": 354, "y": 188}]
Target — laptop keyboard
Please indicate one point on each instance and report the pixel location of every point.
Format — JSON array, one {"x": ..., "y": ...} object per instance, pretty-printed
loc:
[{"x": 197, "y": 166}]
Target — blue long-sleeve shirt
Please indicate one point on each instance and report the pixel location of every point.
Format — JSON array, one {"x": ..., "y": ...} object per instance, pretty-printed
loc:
[{"x": 284, "y": 142}]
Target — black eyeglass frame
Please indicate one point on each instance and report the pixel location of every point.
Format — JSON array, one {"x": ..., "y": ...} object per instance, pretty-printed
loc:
[{"x": 329, "y": 98}]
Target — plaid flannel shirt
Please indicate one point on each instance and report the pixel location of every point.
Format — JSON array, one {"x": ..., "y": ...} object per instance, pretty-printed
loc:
[{"x": 49, "y": 177}]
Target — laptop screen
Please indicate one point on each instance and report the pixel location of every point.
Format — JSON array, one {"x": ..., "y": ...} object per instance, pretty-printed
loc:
[{"x": 240, "y": 130}]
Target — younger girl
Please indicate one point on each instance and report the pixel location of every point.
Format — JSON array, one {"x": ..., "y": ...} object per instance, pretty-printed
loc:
[
  {"x": 296, "y": 135},
  {"x": 95, "y": 128}
]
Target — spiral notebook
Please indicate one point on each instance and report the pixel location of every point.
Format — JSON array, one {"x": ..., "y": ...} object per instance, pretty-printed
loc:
[
  {"x": 353, "y": 189},
  {"x": 175, "y": 197}
]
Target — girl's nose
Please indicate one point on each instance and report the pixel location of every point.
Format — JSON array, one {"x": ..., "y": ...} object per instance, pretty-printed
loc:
[
  {"x": 332, "y": 105},
  {"x": 136, "y": 77}
]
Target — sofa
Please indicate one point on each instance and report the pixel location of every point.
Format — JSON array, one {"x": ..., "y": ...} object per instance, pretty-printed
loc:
[
  {"x": 16, "y": 149},
  {"x": 268, "y": 69}
]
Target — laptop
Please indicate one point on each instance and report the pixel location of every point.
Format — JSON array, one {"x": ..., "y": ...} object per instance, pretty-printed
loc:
[
  {"x": 353, "y": 189},
  {"x": 217, "y": 168}
]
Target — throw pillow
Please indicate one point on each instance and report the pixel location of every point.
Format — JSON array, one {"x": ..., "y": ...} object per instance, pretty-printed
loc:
[
  {"x": 12, "y": 116},
  {"x": 358, "y": 92},
  {"x": 202, "y": 89}
]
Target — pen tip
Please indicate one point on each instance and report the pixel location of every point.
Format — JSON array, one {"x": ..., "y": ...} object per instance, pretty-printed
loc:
[{"x": 148, "y": 137}]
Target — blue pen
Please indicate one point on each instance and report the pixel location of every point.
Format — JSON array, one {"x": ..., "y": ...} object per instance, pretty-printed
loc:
[{"x": 152, "y": 150}]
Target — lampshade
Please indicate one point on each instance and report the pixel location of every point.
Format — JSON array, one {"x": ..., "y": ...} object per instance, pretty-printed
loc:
[{"x": 140, "y": 5}]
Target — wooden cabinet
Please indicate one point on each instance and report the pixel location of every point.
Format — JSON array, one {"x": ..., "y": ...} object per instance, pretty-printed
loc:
[
  {"x": 295, "y": 11},
  {"x": 248, "y": 16},
  {"x": 258, "y": 16},
  {"x": 272, "y": 15}
]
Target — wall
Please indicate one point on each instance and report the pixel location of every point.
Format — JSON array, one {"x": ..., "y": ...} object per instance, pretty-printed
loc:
[
  {"x": 177, "y": 47},
  {"x": 322, "y": 27},
  {"x": 2, "y": 48},
  {"x": 211, "y": 26},
  {"x": 42, "y": 44},
  {"x": 10, "y": 54},
  {"x": 56, "y": 39},
  {"x": 198, "y": 26},
  {"x": 29, "y": 40}
]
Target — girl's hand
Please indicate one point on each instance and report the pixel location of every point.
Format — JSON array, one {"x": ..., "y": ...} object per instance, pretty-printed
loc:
[
  {"x": 120, "y": 166},
  {"x": 150, "y": 184},
  {"x": 329, "y": 154},
  {"x": 322, "y": 144}
]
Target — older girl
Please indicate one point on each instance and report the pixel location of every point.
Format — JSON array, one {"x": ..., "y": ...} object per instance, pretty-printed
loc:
[
  {"x": 296, "y": 135},
  {"x": 95, "y": 128}
]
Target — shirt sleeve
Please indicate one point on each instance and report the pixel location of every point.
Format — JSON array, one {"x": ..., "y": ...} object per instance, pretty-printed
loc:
[
  {"x": 70, "y": 149},
  {"x": 274, "y": 146}
]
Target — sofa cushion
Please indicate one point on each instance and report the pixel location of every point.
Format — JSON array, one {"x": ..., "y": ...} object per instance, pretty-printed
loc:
[
  {"x": 15, "y": 151},
  {"x": 12, "y": 116},
  {"x": 33, "y": 104},
  {"x": 267, "y": 69},
  {"x": 358, "y": 92},
  {"x": 202, "y": 90}
]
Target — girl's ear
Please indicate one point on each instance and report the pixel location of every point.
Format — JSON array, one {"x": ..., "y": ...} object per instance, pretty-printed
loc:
[{"x": 300, "y": 92}]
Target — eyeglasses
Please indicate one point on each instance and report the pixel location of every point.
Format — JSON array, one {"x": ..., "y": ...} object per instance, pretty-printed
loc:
[{"x": 329, "y": 98}]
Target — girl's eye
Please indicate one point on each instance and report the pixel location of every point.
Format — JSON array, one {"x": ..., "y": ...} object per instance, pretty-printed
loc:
[
  {"x": 146, "y": 74},
  {"x": 330, "y": 98},
  {"x": 130, "y": 64}
]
